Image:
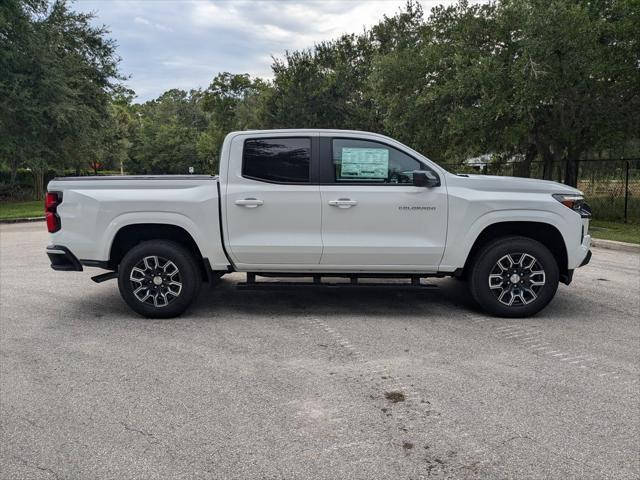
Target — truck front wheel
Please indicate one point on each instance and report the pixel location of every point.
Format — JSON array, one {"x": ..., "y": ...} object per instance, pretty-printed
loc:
[
  {"x": 514, "y": 277},
  {"x": 159, "y": 279}
]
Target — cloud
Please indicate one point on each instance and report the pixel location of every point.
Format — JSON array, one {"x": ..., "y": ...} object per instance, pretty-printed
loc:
[
  {"x": 184, "y": 44},
  {"x": 159, "y": 26},
  {"x": 141, "y": 20},
  {"x": 292, "y": 25}
]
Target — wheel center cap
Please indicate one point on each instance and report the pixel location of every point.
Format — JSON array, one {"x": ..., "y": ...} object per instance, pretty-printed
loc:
[
  {"x": 515, "y": 278},
  {"x": 157, "y": 280}
]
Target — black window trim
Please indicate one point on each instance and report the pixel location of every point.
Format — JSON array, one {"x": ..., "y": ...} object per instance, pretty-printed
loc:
[
  {"x": 313, "y": 160},
  {"x": 327, "y": 172}
]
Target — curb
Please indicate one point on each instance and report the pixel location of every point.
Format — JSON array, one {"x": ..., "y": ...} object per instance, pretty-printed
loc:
[
  {"x": 614, "y": 245},
  {"x": 22, "y": 220}
]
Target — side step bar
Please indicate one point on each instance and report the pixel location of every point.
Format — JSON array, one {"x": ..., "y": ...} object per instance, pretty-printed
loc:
[
  {"x": 252, "y": 284},
  {"x": 103, "y": 277}
]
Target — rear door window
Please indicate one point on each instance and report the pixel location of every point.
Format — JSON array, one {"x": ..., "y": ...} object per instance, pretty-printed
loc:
[{"x": 279, "y": 160}]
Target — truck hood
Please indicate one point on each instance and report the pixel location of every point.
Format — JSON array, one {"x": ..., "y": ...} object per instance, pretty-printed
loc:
[{"x": 511, "y": 184}]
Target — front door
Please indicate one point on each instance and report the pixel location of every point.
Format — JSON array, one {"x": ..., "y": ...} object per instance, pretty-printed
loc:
[
  {"x": 273, "y": 202},
  {"x": 372, "y": 215}
]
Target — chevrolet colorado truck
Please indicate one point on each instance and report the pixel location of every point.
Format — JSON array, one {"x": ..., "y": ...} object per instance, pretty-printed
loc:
[{"x": 320, "y": 204}]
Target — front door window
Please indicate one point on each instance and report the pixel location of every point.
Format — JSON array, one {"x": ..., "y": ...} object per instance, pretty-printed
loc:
[{"x": 362, "y": 161}]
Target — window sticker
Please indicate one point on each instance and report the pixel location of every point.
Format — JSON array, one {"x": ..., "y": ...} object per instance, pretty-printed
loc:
[{"x": 364, "y": 162}]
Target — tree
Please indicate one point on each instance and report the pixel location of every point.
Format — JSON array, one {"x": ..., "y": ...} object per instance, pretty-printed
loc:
[
  {"x": 118, "y": 131},
  {"x": 164, "y": 133},
  {"x": 57, "y": 75},
  {"x": 574, "y": 74},
  {"x": 325, "y": 87},
  {"x": 234, "y": 102},
  {"x": 518, "y": 79}
]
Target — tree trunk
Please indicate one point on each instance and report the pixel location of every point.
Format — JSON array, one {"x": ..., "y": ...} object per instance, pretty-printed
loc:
[
  {"x": 571, "y": 169},
  {"x": 14, "y": 171},
  {"x": 523, "y": 168},
  {"x": 38, "y": 184},
  {"x": 547, "y": 167},
  {"x": 12, "y": 158}
]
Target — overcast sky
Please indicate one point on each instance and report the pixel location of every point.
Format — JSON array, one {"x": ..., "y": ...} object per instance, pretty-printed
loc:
[{"x": 183, "y": 44}]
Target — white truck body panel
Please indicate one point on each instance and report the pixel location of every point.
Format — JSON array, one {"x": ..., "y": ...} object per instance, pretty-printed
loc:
[
  {"x": 478, "y": 201},
  {"x": 93, "y": 211},
  {"x": 389, "y": 226},
  {"x": 295, "y": 228},
  {"x": 283, "y": 230}
]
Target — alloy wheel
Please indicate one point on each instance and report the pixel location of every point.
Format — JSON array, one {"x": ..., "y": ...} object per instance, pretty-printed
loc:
[
  {"x": 156, "y": 281},
  {"x": 516, "y": 279}
]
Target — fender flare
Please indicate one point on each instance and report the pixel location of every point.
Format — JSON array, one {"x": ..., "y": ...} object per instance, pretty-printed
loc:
[
  {"x": 150, "y": 217},
  {"x": 461, "y": 250}
]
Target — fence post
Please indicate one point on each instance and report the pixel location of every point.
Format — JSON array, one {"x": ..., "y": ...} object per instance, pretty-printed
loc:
[{"x": 626, "y": 191}]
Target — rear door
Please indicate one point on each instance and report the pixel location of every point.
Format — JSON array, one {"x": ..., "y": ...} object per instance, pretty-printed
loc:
[
  {"x": 273, "y": 210},
  {"x": 372, "y": 215}
]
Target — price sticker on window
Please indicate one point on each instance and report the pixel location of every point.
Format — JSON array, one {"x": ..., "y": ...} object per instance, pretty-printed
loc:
[{"x": 364, "y": 163}]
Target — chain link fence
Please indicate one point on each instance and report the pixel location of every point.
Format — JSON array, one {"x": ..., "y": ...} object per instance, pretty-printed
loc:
[{"x": 611, "y": 187}]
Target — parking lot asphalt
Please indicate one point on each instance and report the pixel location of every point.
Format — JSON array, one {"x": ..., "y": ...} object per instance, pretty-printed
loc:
[{"x": 315, "y": 384}]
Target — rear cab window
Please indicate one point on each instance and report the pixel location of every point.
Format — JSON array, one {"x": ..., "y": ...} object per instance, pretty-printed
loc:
[{"x": 277, "y": 160}]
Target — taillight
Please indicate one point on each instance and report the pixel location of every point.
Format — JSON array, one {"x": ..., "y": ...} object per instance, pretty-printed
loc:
[{"x": 51, "y": 202}]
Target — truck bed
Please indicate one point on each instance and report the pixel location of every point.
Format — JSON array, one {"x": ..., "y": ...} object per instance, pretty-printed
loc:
[{"x": 95, "y": 208}]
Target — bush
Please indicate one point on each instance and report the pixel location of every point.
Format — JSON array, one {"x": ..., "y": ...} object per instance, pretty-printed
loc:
[{"x": 15, "y": 192}]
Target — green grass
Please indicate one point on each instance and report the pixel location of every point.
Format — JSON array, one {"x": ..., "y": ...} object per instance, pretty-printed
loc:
[
  {"x": 9, "y": 210},
  {"x": 621, "y": 232},
  {"x": 612, "y": 209}
]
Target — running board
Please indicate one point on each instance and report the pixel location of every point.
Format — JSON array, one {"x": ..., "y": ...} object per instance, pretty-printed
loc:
[
  {"x": 252, "y": 284},
  {"x": 103, "y": 277}
]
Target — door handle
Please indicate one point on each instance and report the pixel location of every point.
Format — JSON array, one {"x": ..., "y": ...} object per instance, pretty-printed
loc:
[
  {"x": 249, "y": 202},
  {"x": 343, "y": 203}
]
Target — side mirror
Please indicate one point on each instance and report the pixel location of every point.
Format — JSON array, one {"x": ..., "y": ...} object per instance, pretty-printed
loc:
[{"x": 425, "y": 178}]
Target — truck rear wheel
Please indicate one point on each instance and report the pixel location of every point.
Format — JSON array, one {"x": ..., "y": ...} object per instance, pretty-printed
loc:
[
  {"x": 159, "y": 279},
  {"x": 514, "y": 277}
]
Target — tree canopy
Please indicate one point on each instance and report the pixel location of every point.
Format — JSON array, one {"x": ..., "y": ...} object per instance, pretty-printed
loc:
[
  {"x": 58, "y": 74},
  {"x": 555, "y": 80}
]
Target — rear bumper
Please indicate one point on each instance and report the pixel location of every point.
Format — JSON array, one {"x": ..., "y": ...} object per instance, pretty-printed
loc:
[{"x": 62, "y": 259}]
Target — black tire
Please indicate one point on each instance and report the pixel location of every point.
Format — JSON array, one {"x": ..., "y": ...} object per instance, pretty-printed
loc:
[
  {"x": 165, "y": 300},
  {"x": 215, "y": 279},
  {"x": 493, "y": 286}
]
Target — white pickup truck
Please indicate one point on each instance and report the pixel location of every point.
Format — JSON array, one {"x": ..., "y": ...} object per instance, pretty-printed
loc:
[{"x": 320, "y": 204}]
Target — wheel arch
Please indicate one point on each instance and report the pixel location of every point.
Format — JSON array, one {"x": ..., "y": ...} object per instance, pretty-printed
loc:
[
  {"x": 545, "y": 233},
  {"x": 128, "y": 236}
]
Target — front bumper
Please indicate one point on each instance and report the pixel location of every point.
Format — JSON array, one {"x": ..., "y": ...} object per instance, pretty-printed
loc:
[
  {"x": 62, "y": 259},
  {"x": 587, "y": 259},
  {"x": 579, "y": 254}
]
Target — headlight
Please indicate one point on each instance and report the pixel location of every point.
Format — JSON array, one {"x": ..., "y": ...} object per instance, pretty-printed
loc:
[{"x": 574, "y": 202}]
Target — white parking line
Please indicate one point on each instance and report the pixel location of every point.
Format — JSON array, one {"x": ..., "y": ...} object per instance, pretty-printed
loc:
[
  {"x": 516, "y": 335},
  {"x": 531, "y": 339}
]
